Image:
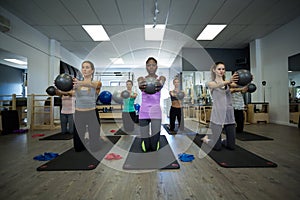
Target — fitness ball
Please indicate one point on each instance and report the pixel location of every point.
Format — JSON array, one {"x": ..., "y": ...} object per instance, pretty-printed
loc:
[
  {"x": 251, "y": 88},
  {"x": 245, "y": 77},
  {"x": 117, "y": 97},
  {"x": 125, "y": 94},
  {"x": 105, "y": 97},
  {"x": 150, "y": 85},
  {"x": 51, "y": 90},
  {"x": 64, "y": 82},
  {"x": 137, "y": 107},
  {"x": 180, "y": 95}
]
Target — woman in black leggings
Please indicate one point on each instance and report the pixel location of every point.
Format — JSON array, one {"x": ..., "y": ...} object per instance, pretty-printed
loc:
[{"x": 176, "y": 107}]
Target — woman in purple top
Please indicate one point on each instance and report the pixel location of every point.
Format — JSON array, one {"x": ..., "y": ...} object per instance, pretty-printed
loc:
[
  {"x": 150, "y": 110},
  {"x": 222, "y": 114}
]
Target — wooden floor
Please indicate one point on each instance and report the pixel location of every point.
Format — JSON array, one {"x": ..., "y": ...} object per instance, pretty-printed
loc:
[{"x": 200, "y": 179}]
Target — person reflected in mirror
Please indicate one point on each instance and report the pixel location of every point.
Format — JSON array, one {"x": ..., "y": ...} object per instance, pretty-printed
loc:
[{"x": 176, "y": 110}]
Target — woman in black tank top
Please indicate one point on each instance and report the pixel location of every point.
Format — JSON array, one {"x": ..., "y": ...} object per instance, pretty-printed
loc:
[{"x": 176, "y": 107}]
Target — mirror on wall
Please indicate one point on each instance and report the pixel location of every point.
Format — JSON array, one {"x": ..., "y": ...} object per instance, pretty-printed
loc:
[
  {"x": 13, "y": 84},
  {"x": 13, "y": 76},
  {"x": 294, "y": 88}
]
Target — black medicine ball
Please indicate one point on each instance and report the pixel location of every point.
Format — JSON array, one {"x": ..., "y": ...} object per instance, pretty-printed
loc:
[
  {"x": 150, "y": 85},
  {"x": 251, "y": 88},
  {"x": 51, "y": 90},
  {"x": 245, "y": 77},
  {"x": 64, "y": 82}
]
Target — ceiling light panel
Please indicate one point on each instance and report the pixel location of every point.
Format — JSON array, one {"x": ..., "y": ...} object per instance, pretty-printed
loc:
[
  {"x": 210, "y": 31},
  {"x": 96, "y": 32},
  {"x": 155, "y": 33}
]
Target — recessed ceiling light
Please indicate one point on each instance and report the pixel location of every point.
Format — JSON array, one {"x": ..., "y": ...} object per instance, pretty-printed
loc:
[
  {"x": 210, "y": 31},
  {"x": 155, "y": 33},
  {"x": 16, "y": 61},
  {"x": 96, "y": 32}
]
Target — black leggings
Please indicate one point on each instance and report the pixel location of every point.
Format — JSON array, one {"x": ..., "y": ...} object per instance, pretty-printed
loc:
[
  {"x": 239, "y": 119},
  {"x": 176, "y": 113},
  {"x": 215, "y": 137},
  {"x": 150, "y": 139}
]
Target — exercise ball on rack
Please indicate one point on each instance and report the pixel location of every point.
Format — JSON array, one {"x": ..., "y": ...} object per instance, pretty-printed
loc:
[{"x": 105, "y": 97}]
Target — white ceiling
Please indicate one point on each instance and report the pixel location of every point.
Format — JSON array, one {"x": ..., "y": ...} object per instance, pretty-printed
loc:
[{"x": 124, "y": 21}]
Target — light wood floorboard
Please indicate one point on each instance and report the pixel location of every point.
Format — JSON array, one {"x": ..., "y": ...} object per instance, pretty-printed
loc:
[{"x": 199, "y": 179}]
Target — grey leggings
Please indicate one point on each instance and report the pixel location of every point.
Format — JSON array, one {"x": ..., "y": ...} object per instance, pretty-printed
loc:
[{"x": 215, "y": 137}]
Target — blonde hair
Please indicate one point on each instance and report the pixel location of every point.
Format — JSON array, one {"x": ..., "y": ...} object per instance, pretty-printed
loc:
[{"x": 176, "y": 79}]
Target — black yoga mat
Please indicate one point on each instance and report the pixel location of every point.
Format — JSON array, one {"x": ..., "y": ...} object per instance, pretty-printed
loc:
[
  {"x": 122, "y": 131},
  {"x": 162, "y": 159},
  {"x": 58, "y": 136},
  {"x": 72, "y": 160},
  {"x": 185, "y": 131},
  {"x": 246, "y": 136},
  {"x": 237, "y": 158}
]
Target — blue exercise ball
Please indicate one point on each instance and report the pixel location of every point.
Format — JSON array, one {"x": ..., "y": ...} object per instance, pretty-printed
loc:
[{"x": 105, "y": 97}]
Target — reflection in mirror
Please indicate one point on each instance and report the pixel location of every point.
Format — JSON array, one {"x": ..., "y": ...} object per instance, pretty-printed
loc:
[
  {"x": 13, "y": 77},
  {"x": 294, "y": 88},
  {"x": 13, "y": 85}
]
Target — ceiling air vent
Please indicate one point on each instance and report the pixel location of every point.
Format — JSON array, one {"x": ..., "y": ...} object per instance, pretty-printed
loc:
[{"x": 4, "y": 24}]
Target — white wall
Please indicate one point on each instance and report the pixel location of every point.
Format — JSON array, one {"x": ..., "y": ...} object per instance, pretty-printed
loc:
[
  {"x": 26, "y": 41},
  {"x": 269, "y": 62},
  {"x": 43, "y": 55}
]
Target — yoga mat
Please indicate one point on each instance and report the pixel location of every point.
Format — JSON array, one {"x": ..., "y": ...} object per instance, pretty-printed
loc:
[
  {"x": 121, "y": 131},
  {"x": 237, "y": 158},
  {"x": 72, "y": 160},
  {"x": 246, "y": 136},
  {"x": 58, "y": 136},
  {"x": 162, "y": 159},
  {"x": 184, "y": 131}
]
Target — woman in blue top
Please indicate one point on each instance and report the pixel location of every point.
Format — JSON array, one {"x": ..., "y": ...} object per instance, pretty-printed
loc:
[{"x": 128, "y": 113}]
